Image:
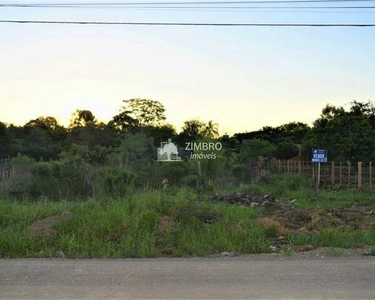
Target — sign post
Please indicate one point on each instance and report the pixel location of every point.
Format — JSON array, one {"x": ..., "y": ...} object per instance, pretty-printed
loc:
[{"x": 319, "y": 155}]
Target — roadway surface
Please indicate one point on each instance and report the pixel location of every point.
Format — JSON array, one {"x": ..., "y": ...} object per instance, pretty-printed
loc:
[{"x": 248, "y": 277}]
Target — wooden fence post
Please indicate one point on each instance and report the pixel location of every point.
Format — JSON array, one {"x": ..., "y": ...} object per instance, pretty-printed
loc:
[
  {"x": 318, "y": 174},
  {"x": 340, "y": 173},
  {"x": 370, "y": 166},
  {"x": 348, "y": 173},
  {"x": 333, "y": 173},
  {"x": 199, "y": 179},
  {"x": 359, "y": 175},
  {"x": 279, "y": 166},
  {"x": 313, "y": 171},
  {"x": 288, "y": 166},
  {"x": 299, "y": 167}
]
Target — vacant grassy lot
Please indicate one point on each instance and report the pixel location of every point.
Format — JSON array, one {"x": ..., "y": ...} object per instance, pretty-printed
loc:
[{"x": 178, "y": 222}]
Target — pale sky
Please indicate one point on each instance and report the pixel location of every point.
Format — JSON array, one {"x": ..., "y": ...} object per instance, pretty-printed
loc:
[{"x": 242, "y": 78}]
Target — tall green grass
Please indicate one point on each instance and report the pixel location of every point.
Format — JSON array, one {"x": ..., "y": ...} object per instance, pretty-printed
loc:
[
  {"x": 174, "y": 221},
  {"x": 131, "y": 227}
]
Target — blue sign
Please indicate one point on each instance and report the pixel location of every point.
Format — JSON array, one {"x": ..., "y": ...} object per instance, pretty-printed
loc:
[{"x": 319, "y": 155}]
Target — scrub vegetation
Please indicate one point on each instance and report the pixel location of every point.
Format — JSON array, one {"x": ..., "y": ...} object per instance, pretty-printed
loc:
[{"x": 98, "y": 190}]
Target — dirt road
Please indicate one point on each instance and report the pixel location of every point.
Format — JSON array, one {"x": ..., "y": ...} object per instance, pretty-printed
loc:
[{"x": 250, "y": 277}]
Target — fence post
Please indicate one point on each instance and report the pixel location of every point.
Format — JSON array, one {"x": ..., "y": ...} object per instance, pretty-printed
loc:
[
  {"x": 313, "y": 171},
  {"x": 299, "y": 167},
  {"x": 318, "y": 174},
  {"x": 199, "y": 179},
  {"x": 370, "y": 174},
  {"x": 348, "y": 173},
  {"x": 333, "y": 173},
  {"x": 340, "y": 175},
  {"x": 279, "y": 166},
  {"x": 288, "y": 166},
  {"x": 359, "y": 175}
]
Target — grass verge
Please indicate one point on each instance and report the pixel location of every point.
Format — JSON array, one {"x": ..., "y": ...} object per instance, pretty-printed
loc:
[
  {"x": 148, "y": 224},
  {"x": 173, "y": 223}
]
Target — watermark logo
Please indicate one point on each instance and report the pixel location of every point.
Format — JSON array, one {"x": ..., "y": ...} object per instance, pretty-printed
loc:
[
  {"x": 203, "y": 147},
  {"x": 168, "y": 152}
]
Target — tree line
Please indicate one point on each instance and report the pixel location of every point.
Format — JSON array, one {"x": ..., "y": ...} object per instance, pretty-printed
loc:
[{"x": 348, "y": 135}]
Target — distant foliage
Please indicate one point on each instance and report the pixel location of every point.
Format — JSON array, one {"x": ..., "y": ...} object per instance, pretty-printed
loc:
[
  {"x": 92, "y": 159},
  {"x": 252, "y": 150},
  {"x": 348, "y": 135},
  {"x": 286, "y": 150}
]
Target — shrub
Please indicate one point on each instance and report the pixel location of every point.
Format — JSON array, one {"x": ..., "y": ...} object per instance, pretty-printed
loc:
[
  {"x": 286, "y": 150},
  {"x": 118, "y": 181}
]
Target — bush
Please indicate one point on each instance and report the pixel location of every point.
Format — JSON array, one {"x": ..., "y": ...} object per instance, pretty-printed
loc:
[
  {"x": 277, "y": 185},
  {"x": 256, "y": 149},
  {"x": 174, "y": 171},
  {"x": 118, "y": 181},
  {"x": 56, "y": 180},
  {"x": 286, "y": 150}
]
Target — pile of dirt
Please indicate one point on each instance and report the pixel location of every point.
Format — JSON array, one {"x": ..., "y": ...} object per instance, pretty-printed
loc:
[
  {"x": 252, "y": 198},
  {"x": 286, "y": 217},
  {"x": 44, "y": 227},
  {"x": 355, "y": 217},
  {"x": 282, "y": 217},
  {"x": 311, "y": 221},
  {"x": 291, "y": 218},
  {"x": 268, "y": 223}
]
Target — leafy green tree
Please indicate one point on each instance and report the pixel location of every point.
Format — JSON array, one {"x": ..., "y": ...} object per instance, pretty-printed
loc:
[
  {"x": 124, "y": 122},
  {"x": 253, "y": 155},
  {"x": 268, "y": 133},
  {"x": 136, "y": 150},
  {"x": 348, "y": 135},
  {"x": 160, "y": 133},
  {"x": 211, "y": 130},
  {"x": 82, "y": 118},
  {"x": 91, "y": 135},
  {"x": 286, "y": 150},
  {"x": 294, "y": 131},
  {"x": 146, "y": 112},
  {"x": 192, "y": 130},
  {"x": 195, "y": 129},
  {"x": 253, "y": 150},
  {"x": 49, "y": 124},
  {"x": 5, "y": 141},
  {"x": 38, "y": 144}
]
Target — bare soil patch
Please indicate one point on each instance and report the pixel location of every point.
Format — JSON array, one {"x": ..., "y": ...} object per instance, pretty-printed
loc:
[
  {"x": 44, "y": 227},
  {"x": 286, "y": 217}
]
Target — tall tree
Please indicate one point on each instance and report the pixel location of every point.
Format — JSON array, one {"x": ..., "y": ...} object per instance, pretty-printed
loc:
[
  {"x": 124, "y": 122},
  {"x": 48, "y": 123},
  {"x": 146, "y": 112},
  {"x": 5, "y": 141},
  {"x": 192, "y": 130},
  {"x": 82, "y": 118},
  {"x": 348, "y": 135},
  {"x": 211, "y": 130}
]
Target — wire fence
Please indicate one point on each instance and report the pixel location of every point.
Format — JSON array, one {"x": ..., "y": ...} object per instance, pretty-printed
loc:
[{"x": 339, "y": 174}]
